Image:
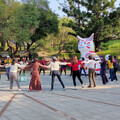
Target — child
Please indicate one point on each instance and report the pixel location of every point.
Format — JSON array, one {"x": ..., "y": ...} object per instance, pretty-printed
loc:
[{"x": 75, "y": 70}]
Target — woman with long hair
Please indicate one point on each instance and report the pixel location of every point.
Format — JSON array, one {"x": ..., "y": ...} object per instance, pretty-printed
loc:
[
  {"x": 111, "y": 68},
  {"x": 75, "y": 70},
  {"x": 35, "y": 79},
  {"x": 103, "y": 70}
]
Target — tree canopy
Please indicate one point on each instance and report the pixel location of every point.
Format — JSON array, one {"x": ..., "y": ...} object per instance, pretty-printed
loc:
[
  {"x": 25, "y": 23},
  {"x": 100, "y": 17}
]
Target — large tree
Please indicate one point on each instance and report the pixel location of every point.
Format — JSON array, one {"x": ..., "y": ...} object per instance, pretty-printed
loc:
[
  {"x": 29, "y": 23},
  {"x": 94, "y": 16}
]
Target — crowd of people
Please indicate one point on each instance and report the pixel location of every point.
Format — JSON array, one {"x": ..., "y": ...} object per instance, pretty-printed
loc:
[{"x": 56, "y": 67}]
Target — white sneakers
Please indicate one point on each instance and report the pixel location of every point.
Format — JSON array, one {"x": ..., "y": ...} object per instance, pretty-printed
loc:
[
  {"x": 19, "y": 90},
  {"x": 82, "y": 86}
]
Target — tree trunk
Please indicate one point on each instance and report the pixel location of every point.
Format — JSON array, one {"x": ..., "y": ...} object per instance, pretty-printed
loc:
[
  {"x": 97, "y": 46},
  {"x": 3, "y": 45},
  {"x": 29, "y": 52}
]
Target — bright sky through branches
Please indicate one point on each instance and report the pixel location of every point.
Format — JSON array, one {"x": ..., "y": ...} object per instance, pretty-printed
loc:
[{"x": 54, "y": 6}]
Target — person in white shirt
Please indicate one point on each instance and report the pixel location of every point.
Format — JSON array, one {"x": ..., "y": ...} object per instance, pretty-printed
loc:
[
  {"x": 55, "y": 66},
  {"x": 91, "y": 70},
  {"x": 13, "y": 74}
]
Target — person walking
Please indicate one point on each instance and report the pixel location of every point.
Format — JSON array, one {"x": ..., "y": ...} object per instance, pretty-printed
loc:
[
  {"x": 111, "y": 68},
  {"x": 54, "y": 66},
  {"x": 82, "y": 67},
  {"x": 8, "y": 61},
  {"x": 115, "y": 67},
  {"x": 91, "y": 70},
  {"x": 103, "y": 70},
  {"x": 75, "y": 70},
  {"x": 35, "y": 83}
]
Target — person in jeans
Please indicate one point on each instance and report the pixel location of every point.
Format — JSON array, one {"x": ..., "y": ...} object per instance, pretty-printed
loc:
[
  {"x": 75, "y": 70},
  {"x": 82, "y": 67},
  {"x": 103, "y": 70},
  {"x": 54, "y": 66},
  {"x": 111, "y": 68},
  {"x": 8, "y": 61},
  {"x": 91, "y": 70}
]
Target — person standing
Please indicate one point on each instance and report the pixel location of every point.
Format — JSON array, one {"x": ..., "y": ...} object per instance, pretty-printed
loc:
[
  {"x": 43, "y": 62},
  {"x": 111, "y": 68},
  {"x": 35, "y": 83},
  {"x": 91, "y": 70},
  {"x": 63, "y": 67},
  {"x": 8, "y": 61},
  {"x": 75, "y": 70},
  {"x": 13, "y": 74},
  {"x": 115, "y": 67},
  {"x": 103, "y": 70},
  {"x": 54, "y": 66},
  {"x": 82, "y": 67}
]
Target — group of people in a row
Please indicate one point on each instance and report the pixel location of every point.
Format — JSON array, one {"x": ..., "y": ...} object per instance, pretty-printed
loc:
[{"x": 54, "y": 67}]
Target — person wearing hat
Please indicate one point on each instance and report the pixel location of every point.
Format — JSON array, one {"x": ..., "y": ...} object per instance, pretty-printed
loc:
[
  {"x": 8, "y": 61},
  {"x": 55, "y": 66}
]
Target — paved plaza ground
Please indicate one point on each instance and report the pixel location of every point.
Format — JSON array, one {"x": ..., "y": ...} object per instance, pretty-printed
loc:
[{"x": 100, "y": 103}]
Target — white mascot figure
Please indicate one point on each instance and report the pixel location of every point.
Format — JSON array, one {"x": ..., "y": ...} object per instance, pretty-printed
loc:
[{"x": 86, "y": 48}]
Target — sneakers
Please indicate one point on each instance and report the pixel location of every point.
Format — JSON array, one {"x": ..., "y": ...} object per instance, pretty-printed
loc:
[
  {"x": 10, "y": 90},
  {"x": 51, "y": 90},
  {"x": 19, "y": 90},
  {"x": 64, "y": 89},
  {"x": 82, "y": 86},
  {"x": 112, "y": 82},
  {"x": 75, "y": 88}
]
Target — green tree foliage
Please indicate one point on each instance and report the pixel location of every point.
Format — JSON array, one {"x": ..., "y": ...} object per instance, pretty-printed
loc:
[
  {"x": 28, "y": 22},
  {"x": 62, "y": 41},
  {"x": 94, "y": 16}
]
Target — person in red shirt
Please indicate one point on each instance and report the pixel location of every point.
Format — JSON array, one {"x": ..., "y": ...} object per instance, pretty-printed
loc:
[
  {"x": 75, "y": 70},
  {"x": 82, "y": 67},
  {"x": 43, "y": 62}
]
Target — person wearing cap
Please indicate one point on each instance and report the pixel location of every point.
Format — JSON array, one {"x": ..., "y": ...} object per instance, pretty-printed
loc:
[
  {"x": 55, "y": 66},
  {"x": 8, "y": 61},
  {"x": 91, "y": 70}
]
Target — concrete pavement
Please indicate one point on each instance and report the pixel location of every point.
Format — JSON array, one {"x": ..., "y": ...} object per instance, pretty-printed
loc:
[{"x": 102, "y": 102}]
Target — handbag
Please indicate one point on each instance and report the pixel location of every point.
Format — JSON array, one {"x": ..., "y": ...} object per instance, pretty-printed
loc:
[{"x": 23, "y": 77}]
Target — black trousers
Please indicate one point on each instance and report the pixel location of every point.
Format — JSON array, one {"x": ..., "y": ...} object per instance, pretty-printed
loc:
[
  {"x": 56, "y": 73},
  {"x": 74, "y": 75},
  {"x": 42, "y": 69},
  {"x": 115, "y": 70}
]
